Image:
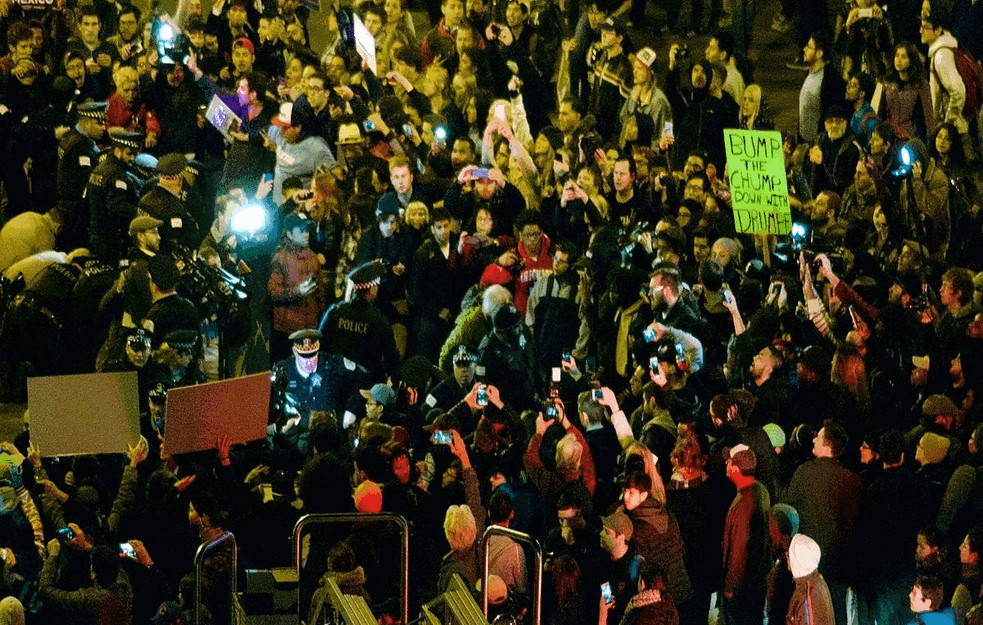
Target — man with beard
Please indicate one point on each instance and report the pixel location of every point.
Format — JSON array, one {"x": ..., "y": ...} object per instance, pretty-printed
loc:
[
  {"x": 628, "y": 205},
  {"x": 126, "y": 41},
  {"x": 437, "y": 285},
  {"x": 610, "y": 75},
  {"x": 477, "y": 188},
  {"x": 684, "y": 100},
  {"x": 552, "y": 310},
  {"x": 670, "y": 309},
  {"x": 835, "y": 154},
  {"x": 129, "y": 299},
  {"x": 770, "y": 385}
]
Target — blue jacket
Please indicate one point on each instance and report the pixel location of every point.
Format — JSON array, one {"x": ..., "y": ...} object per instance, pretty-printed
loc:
[{"x": 946, "y": 616}]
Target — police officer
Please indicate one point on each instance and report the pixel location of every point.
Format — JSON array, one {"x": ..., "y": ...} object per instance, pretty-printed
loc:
[
  {"x": 503, "y": 360},
  {"x": 358, "y": 330},
  {"x": 165, "y": 202},
  {"x": 133, "y": 354},
  {"x": 194, "y": 198},
  {"x": 175, "y": 362},
  {"x": 78, "y": 155},
  {"x": 113, "y": 192},
  {"x": 311, "y": 380},
  {"x": 451, "y": 391},
  {"x": 169, "y": 311}
]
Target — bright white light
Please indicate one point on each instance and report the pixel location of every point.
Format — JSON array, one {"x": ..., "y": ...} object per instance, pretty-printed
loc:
[
  {"x": 166, "y": 33},
  {"x": 249, "y": 219}
]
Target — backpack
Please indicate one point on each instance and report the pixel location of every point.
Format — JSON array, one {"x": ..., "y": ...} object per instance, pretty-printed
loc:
[{"x": 971, "y": 74}]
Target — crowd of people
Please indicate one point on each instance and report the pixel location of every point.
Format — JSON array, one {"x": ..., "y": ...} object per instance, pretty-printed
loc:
[{"x": 495, "y": 273}]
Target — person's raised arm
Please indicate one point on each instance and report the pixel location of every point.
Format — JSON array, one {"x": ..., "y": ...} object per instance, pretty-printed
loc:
[{"x": 618, "y": 417}]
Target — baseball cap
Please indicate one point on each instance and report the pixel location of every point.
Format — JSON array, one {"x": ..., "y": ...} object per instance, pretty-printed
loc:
[
  {"x": 283, "y": 120},
  {"x": 646, "y": 56},
  {"x": 382, "y": 393},
  {"x": 619, "y": 522}
]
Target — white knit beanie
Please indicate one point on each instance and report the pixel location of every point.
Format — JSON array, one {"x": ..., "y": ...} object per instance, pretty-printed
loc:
[{"x": 803, "y": 555}]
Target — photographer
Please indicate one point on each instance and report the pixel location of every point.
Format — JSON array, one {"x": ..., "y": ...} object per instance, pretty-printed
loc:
[{"x": 477, "y": 188}]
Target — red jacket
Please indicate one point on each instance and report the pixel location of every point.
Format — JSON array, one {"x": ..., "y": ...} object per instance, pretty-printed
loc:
[
  {"x": 543, "y": 261},
  {"x": 293, "y": 265},
  {"x": 119, "y": 114}
]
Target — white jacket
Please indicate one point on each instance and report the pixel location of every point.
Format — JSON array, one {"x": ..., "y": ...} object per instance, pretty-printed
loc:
[{"x": 948, "y": 90}]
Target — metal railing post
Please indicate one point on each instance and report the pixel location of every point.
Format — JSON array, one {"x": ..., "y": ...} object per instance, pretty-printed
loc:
[
  {"x": 519, "y": 537},
  {"x": 203, "y": 550},
  {"x": 343, "y": 517}
]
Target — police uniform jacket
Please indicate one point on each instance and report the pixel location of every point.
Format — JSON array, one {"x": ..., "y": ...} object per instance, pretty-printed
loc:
[
  {"x": 178, "y": 227},
  {"x": 333, "y": 385},
  {"x": 78, "y": 155},
  {"x": 446, "y": 395},
  {"x": 168, "y": 314},
  {"x": 113, "y": 192},
  {"x": 359, "y": 331}
]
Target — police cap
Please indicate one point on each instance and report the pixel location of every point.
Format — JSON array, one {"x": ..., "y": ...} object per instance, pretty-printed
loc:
[
  {"x": 93, "y": 110},
  {"x": 506, "y": 318},
  {"x": 126, "y": 138},
  {"x": 464, "y": 356},
  {"x": 138, "y": 339},
  {"x": 171, "y": 164},
  {"x": 181, "y": 340},
  {"x": 367, "y": 275},
  {"x": 306, "y": 342}
]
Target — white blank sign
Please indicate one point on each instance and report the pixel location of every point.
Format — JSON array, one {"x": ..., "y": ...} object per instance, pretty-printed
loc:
[{"x": 90, "y": 413}]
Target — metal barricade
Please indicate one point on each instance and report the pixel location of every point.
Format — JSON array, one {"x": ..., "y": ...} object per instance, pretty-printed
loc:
[
  {"x": 382, "y": 517},
  {"x": 519, "y": 537},
  {"x": 203, "y": 550}
]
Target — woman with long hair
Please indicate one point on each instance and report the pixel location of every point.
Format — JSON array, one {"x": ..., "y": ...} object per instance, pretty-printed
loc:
[
  {"x": 568, "y": 591},
  {"x": 336, "y": 234},
  {"x": 752, "y": 116},
  {"x": 907, "y": 97}
]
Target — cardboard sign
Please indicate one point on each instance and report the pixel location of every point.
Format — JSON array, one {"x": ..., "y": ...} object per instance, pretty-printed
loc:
[
  {"x": 222, "y": 117},
  {"x": 364, "y": 44},
  {"x": 90, "y": 413},
  {"x": 197, "y": 417},
  {"x": 758, "y": 185}
]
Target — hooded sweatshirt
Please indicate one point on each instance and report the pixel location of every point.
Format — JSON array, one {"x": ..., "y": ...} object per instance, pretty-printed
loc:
[
  {"x": 945, "y": 83},
  {"x": 657, "y": 538},
  {"x": 811, "y": 603}
]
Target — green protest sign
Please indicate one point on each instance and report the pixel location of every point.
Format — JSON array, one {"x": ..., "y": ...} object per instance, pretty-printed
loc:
[{"x": 758, "y": 187}]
